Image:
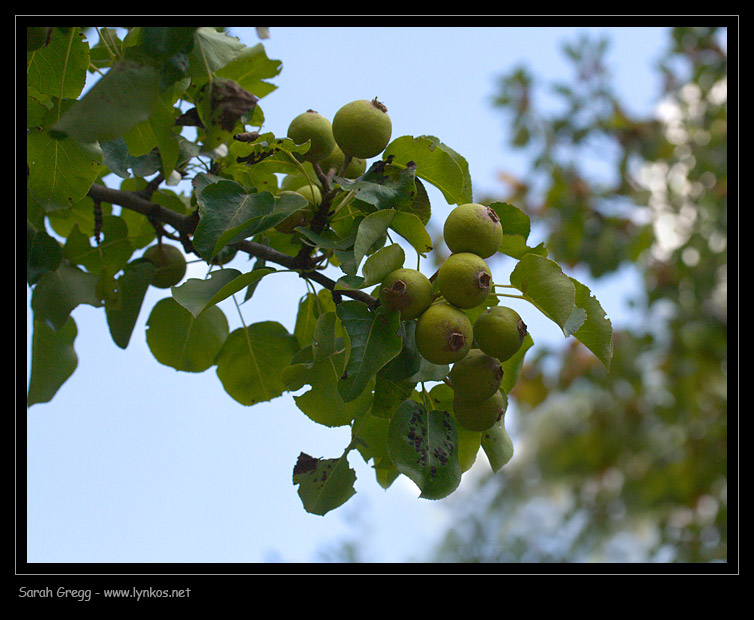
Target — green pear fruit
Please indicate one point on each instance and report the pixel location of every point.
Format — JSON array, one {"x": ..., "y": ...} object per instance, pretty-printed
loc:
[
  {"x": 170, "y": 264},
  {"x": 464, "y": 280},
  {"x": 335, "y": 160},
  {"x": 477, "y": 376},
  {"x": 473, "y": 228},
  {"x": 406, "y": 290},
  {"x": 362, "y": 128},
  {"x": 479, "y": 415},
  {"x": 444, "y": 334},
  {"x": 311, "y": 125},
  {"x": 296, "y": 179},
  {"x": 499, "y": 332}
]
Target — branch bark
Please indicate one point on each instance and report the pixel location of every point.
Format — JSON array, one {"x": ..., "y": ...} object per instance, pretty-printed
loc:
[{"x": 185, "y": 225}]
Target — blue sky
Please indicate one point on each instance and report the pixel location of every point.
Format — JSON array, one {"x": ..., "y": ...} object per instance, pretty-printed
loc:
[{"x": 133, "y": 461}]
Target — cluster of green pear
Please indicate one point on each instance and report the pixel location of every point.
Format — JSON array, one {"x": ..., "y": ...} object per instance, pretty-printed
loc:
[
  {"x": 444, "y": 332},
  {"x": 359, "y": 130}
]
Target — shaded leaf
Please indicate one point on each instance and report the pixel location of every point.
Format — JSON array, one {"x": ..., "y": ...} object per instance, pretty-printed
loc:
[
  {"x": 123, "y": 311},
  {"x": 58, "y": 292},
  {"x": 53, "y": 360},
  {"x": 374, "y": 340},
  {"x": 43, "y": 254},
  {"x": 121, "y": 99},
  {"x": 196, "y": 294},
  {"x": 228, "y": 214}
]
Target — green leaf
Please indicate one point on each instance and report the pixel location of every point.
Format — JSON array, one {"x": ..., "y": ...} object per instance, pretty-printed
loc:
[
  {"x": 321, "y": 366},
  {"x": 374, "y": 340},
  {"x": 182, "y": 341},
  {"x": 383, "y": 186},
  {"x": 324, "y": 484},
  {"x": 497, "y": 445},
  {"x": 251, "y": 362},
  {"x": 60, "y": 171},
  {"x": 60, "y": 69},
  {"x": 381, "y": 263},
  {"x": 512, "y": 367},
  {"x": 375, "y": 225},
  {"x": 436, "y": 163},
  {"x": 212, "y": 50},
  {"x": 111, "y": 254},
  {"x": 58, "y": 292},
  {"x": 196, "y": 294},
  {"x": 596, "y": 333},
  {"x": 123, "y": 311},
  {"x": 124, "y": 97},
  {"x": 310, "y": 308},
  {"x": 53, "y": 360},
  {"x": 543, "y": 283},
  {"x": 250, "y": 68},
  {"x": 43, "y": 254},
  {"x": 516, "y": 228},
  {"x": 229, "y": 214},
  {"x": 424, "y": 446}
]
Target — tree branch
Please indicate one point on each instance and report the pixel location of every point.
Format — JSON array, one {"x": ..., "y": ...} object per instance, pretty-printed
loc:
[{"x": 185, "y": 225}]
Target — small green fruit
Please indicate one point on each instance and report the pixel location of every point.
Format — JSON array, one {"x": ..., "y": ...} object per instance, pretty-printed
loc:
[
  {"x": 499, "y": 332},
  {"x": 464, "y": 280},
  {"x": 477, "y": 376},
  {"x": 296, "y": 179},
  {"x": 473, "y": 228},
  {"x": 444, "y": 334},
  {"x": 170, "y": 263},
  {"x": 362, "y": 128},
  {"x": 336, "y": 159},
  {"x": 408, "y": 291},
  {"x": 479, "y": 415},
  {"x": 311, "y": 125}
]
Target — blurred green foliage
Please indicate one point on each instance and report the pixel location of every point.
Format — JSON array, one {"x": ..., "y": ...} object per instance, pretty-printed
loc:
[{"x": 630, "y": 465}]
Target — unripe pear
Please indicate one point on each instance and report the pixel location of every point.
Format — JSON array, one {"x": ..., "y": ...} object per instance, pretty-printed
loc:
[
  {"x": 499, "y": 332},
  {"x": 473, "y": 228},
  {"x": 444, "y": 334},
  {"x": 408, "y": 291},
  {"x": 477, "y": 376},
  {"x": 296, "y": 179},
  {"x": 356, "y": 167},
  {"x": 311, "y": 125},
  {"x": 362, "y": 128},
  {"x": 464, "y": 280},
  {"x": 479, "y": 415},
  {"x": 169, "y": 262}
]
